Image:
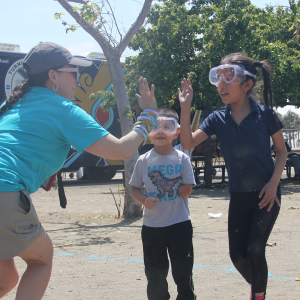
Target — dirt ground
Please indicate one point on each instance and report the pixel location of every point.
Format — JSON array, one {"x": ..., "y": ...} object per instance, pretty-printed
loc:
[{"x": 98, "y": 256}]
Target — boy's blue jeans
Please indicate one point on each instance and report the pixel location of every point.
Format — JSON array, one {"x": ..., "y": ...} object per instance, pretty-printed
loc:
[{"x": 177, "y": 241}]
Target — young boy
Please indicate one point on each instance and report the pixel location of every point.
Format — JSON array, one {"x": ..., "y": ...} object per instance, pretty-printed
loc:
[{"x": 167, "y": 178}]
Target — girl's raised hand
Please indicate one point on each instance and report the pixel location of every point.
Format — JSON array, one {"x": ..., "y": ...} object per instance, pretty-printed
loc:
[
  {"x": 185, "y": 95},
  {"x": 269, "y": 193},
  {"x": 146, "y": 98}
]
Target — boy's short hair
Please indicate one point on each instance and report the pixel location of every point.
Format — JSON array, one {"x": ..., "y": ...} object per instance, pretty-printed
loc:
[{"x": 168, "y": 112}]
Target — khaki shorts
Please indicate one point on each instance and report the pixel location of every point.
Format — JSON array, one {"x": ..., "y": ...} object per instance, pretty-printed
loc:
[{"x": 19, "y": 224}]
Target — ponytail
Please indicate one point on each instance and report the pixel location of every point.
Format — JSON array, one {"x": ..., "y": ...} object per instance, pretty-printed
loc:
[
  {"x": 20, "y": 90},
  {"x": 267, "y": 92}
]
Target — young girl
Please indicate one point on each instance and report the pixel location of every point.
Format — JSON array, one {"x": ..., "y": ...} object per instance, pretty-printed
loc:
[{"x": 244, "y": 129}]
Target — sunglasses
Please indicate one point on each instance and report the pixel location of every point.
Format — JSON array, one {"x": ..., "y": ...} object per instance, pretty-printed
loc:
[{"x": 70, "y": 70}]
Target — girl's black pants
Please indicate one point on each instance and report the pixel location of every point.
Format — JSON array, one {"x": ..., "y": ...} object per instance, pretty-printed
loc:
[
  {"x": 249, "y": 228},
  {"x": 175, "y": 240}
]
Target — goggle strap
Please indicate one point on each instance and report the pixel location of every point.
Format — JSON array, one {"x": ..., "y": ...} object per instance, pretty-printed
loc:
[{"x": 250, "y": 74}]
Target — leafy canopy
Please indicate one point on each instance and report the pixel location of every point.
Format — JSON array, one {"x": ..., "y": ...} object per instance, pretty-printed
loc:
[{"x": 181, "y": 40}]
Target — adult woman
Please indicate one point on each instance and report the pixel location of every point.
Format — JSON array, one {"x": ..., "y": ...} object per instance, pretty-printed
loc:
[{"x": 37, "y": 126}]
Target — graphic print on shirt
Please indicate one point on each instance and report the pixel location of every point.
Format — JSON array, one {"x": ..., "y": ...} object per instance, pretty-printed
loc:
[{"x": 163, "y": 183}]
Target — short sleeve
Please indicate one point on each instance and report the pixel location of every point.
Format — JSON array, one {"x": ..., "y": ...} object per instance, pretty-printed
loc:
[
  {"x": 78, "y": 128},
  {"x": 274, "y": 123},
  {"x": 187, "y": 171},
  {"x": 136, "y": 177},
  {"x": 208, "y": 126}
]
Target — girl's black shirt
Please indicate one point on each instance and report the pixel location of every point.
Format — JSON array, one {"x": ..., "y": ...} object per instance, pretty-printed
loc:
[{"x": 245, "y": 147}]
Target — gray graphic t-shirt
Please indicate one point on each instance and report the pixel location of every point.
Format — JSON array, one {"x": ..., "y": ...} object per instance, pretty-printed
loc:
[{"x": 160, "y": 176}]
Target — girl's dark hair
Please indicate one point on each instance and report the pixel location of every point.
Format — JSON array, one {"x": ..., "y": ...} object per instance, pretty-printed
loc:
[
  {"x": 20, "y": 90},
  {"x": 251, "y": 65},
  {"x": 168, "y": 112}
]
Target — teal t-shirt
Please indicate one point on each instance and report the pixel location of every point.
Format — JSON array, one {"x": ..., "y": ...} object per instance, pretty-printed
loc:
[{"x": 35, "y": 138}]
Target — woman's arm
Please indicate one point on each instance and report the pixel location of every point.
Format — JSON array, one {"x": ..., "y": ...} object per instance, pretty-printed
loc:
[
  {"x": 137, "y": 195},
  {"x": 188, "y": 139},
  {"x": 113, "y": 148},
  {"x": 270, "y": 189}
]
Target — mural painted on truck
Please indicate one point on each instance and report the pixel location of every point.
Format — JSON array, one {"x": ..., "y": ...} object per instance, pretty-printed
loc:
[{"x": 93, "y": 79}]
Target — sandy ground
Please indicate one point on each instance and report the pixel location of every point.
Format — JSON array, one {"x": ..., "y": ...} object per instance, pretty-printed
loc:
[{"x": 98, "y": 256}]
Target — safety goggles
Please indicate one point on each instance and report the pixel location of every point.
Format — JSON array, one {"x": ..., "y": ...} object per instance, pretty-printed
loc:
[
  {"x": 165, "y": 125},
  {"x": 71, "y": 70},
  {"x": 229, "y": 73}
]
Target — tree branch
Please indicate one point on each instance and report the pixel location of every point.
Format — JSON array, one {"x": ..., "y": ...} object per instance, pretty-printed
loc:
[
  {"x": 78, "y": 1},
  {"x": 135, "y": 26},
  {"x": 103, "y": 40},
  {"x": 98, "y": 36},
  {"x": 113, "y": 15}
]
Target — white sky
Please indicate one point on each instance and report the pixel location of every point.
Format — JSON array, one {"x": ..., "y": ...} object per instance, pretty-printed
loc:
[{"x": 284, "y": 110}]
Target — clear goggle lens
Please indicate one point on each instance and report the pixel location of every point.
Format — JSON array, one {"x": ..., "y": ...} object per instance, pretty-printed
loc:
[
  {"x": 228, "y": 73},
  {"x": 165, "y": 125}
]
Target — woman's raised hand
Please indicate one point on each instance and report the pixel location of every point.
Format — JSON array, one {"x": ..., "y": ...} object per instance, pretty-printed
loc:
[
  {"x": 185, "y": 95},
  {"x": 146, "y": 98}
]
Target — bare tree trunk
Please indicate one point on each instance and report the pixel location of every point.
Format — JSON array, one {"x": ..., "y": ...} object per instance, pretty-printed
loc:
[
  {"x": 131, "y": 207},
  {"x": 207, "y": 153}
]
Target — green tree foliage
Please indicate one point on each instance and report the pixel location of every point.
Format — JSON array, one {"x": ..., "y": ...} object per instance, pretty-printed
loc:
[
  {"x": 181, "y": 40},
  {"x": 280, "y": 46},
  {"x": 291, "y": 120},
  {"x": 167, "y": 50}
]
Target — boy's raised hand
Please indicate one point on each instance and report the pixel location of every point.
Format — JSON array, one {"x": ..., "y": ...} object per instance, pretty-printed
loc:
[
  {"x": 185, "y": 95},
  {"x": 150, "y": 202},
  {"x": 146, "y": 98}
]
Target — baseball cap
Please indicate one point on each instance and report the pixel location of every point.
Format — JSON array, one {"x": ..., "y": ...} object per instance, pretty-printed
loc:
[{"x": 48, "y": 56}]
